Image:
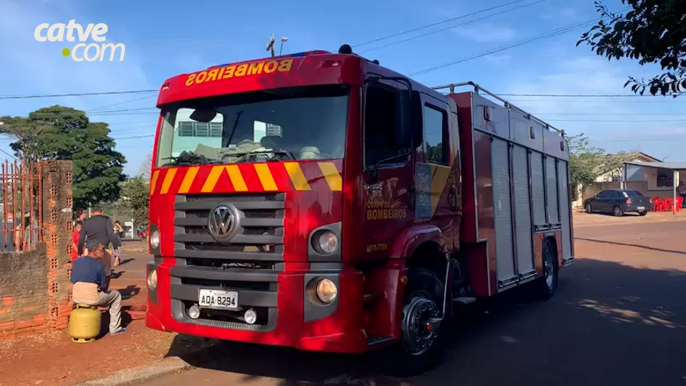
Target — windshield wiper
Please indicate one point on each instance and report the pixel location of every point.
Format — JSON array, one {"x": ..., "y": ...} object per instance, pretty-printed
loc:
[
  {"x": 233, "y": 129},
  {"x": 190, "y": 158},
  {"x": 281, "y": 151}
]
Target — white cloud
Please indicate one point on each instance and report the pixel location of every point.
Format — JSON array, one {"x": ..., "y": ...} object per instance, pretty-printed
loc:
[
  {"x": 499, "y": 59},
  {"x": 564, "y": 13},
  {"x": 487, "y": 33}
]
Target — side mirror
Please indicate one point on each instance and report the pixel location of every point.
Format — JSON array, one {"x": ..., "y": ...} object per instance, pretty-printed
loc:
[{"x": 409, "y": 120}]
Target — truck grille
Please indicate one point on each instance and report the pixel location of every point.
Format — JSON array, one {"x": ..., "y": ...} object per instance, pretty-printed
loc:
[{"x": 249, "y": 263}]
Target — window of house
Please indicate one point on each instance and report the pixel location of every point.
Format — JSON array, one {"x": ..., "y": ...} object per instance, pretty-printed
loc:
[
  {"x": 186, "y": 129},
  {"x": 380, "y": 127},
  {"x": 200, "y": 129},
  {"x": 665, "y": 178},
  {"x": 435, "y": 125}
]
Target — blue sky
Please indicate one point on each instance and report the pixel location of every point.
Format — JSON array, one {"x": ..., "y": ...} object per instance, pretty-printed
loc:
[{"x": 166, "y": 38}]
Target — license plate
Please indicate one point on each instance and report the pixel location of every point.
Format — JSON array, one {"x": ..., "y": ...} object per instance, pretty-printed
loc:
[
  {"x": 641, "y": 207},
  {"x": 218, "y": 299}
]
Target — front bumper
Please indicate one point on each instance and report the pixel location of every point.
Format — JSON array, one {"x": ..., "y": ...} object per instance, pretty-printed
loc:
[{"x": 294, "y": 321}]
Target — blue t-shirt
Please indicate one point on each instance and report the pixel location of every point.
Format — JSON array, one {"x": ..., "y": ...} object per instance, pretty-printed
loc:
[{"x": 88, "y": 270}]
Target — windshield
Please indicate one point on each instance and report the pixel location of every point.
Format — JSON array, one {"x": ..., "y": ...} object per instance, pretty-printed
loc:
[{"x": 272, "y": 125}]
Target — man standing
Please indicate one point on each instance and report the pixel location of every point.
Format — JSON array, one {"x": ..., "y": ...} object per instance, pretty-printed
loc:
[
  {"x": 90, "y": 281},
  {"x": 681, "y": 189},
  {"x": 99, "y": 230}
]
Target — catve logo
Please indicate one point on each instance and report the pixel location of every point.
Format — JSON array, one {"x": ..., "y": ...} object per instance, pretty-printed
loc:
[{"x": 73, "y": 31}]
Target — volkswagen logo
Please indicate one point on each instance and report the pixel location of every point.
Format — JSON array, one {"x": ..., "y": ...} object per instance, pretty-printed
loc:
[{"x": 221, "y": 222}]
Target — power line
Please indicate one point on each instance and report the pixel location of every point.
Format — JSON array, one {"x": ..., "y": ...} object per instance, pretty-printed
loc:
[
  {"x": 437, "y": 23},
  {"x": 122, "y": 103},
  {"x": 77, "y": 94},
  {"x": 452, "y": 26},
  {"x": 522, "y": 42}
]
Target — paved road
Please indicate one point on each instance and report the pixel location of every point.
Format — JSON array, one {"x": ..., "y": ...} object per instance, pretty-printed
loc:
[{"x": 618, "y": 319}]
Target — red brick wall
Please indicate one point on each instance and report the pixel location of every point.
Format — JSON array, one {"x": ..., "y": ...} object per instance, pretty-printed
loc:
[
  {"x": 35, "y": 292},
  {"x": 23, "y": 300},
  {"x": 57, "y": 227}
]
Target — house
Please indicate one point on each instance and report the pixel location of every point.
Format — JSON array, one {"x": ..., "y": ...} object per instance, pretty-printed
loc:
[
  {"x": 616, "y": 174},
  {"x": 654, "y": 184}
]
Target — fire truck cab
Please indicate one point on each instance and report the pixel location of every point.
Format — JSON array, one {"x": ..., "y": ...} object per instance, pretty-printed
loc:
[{"x": 323, "y": 202}]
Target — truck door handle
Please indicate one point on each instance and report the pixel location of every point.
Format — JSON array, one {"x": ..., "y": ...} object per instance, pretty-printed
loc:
[
  {"x": 412, "y": 197},
  {"x": 452, "y": 198}
]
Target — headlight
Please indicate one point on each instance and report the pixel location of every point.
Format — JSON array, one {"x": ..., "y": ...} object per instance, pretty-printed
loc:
[
  {"x": 152, "y": 280},
  {"x": 326, "y": 291},
  {"x": 155, "y": 239},
  {"x": 326, "y": 243}
]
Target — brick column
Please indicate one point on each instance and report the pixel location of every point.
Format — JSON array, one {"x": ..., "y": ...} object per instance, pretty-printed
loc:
[{"x": 57, "y": 204}]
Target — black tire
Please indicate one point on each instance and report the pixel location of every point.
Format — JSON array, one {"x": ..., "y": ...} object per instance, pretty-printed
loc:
[
  {"x": 642, "y": 213},
  {"x": 399, "y": 360},
  {"x": 617, "y": 211},
  {"x": 547, "y": 285},
  {"x": 589, "y": 209}
]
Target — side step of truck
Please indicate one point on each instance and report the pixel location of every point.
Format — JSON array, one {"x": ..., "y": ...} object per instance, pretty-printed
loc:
[
  {"x": 375, "y": 340},
  {"x": 463, "y": 300}
]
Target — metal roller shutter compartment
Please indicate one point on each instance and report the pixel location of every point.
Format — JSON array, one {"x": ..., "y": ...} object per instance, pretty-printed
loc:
[
  {"x": 537, "y": 186},
  {"x": 502, "y": 209},
  {"x": 522, "y": 210},
  {"x": 564, "y": 209}
]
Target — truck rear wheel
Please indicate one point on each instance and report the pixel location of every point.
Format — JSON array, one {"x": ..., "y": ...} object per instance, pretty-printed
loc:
[
  {"x": 423, "y": 334},
  {"x": 547, "y": 284}
]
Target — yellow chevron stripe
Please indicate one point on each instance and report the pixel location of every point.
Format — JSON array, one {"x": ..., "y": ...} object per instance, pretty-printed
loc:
[
  {"x": 297, "y": 176},
  {"x": 168, "y": 179},
  {"x": 265, "y": 176},
  {"x": 236, "y": 178},
  {"x": 188, "y": 179},
  {"x": 212, "y": 179},
  {"x": 439, "y": 177},
  {"x": 153, "y": 182},
  {"x": 333, "y": 178}
]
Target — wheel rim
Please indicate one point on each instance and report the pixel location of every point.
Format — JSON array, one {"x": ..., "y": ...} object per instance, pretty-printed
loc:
[
  {"x": 588, "y": 208},
  {"x": 549, "y": 271},
  {"x": 617, "y": 211},
  {"x": 421, "y": 324}
]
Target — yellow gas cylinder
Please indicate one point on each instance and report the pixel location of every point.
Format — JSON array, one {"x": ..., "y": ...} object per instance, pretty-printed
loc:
[{"x": 84, "y": 323}]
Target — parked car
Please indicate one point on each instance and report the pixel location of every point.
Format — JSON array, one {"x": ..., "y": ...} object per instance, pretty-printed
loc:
[{"x": 618, "y": 202}]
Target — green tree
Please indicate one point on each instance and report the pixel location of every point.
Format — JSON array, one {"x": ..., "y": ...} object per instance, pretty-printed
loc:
[
  {"x": 63, "y": 133},
  {"x": 135, "y": 196},
  {"x": 586, "y": 163},
  {"x": 653, "y": 31}
]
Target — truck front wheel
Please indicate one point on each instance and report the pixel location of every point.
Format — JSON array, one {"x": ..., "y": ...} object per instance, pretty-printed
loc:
[{"x": 423, "y": 333}]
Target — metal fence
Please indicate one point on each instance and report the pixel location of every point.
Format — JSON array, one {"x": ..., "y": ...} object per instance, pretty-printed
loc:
[{"x": 21, "y": 207}]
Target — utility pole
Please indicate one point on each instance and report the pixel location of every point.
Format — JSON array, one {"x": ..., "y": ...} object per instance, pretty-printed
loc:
[
  {"x": 270, "y": 45},
  {"x": 283, "y": 40}
]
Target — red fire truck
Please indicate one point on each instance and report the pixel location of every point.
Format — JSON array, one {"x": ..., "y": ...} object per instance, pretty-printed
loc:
[{"x": 323, "y": 202}]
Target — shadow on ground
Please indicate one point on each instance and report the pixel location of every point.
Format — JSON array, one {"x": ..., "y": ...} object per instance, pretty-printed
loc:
[
  {"x": 609, "y": 324},
  {"x": 631, "y": 245}
]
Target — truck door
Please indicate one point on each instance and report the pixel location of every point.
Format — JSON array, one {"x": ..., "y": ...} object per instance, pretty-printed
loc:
[
  {"x": 439, "y": 163},
  {"x": 387, "y": 197}
]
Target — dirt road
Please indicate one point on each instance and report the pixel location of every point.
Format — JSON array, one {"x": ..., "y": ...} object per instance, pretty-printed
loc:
[{"x": 618, "y": 318}]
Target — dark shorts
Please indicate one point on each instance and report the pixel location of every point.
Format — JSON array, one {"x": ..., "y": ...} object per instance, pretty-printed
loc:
[{"x": 107, "y": 263}]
